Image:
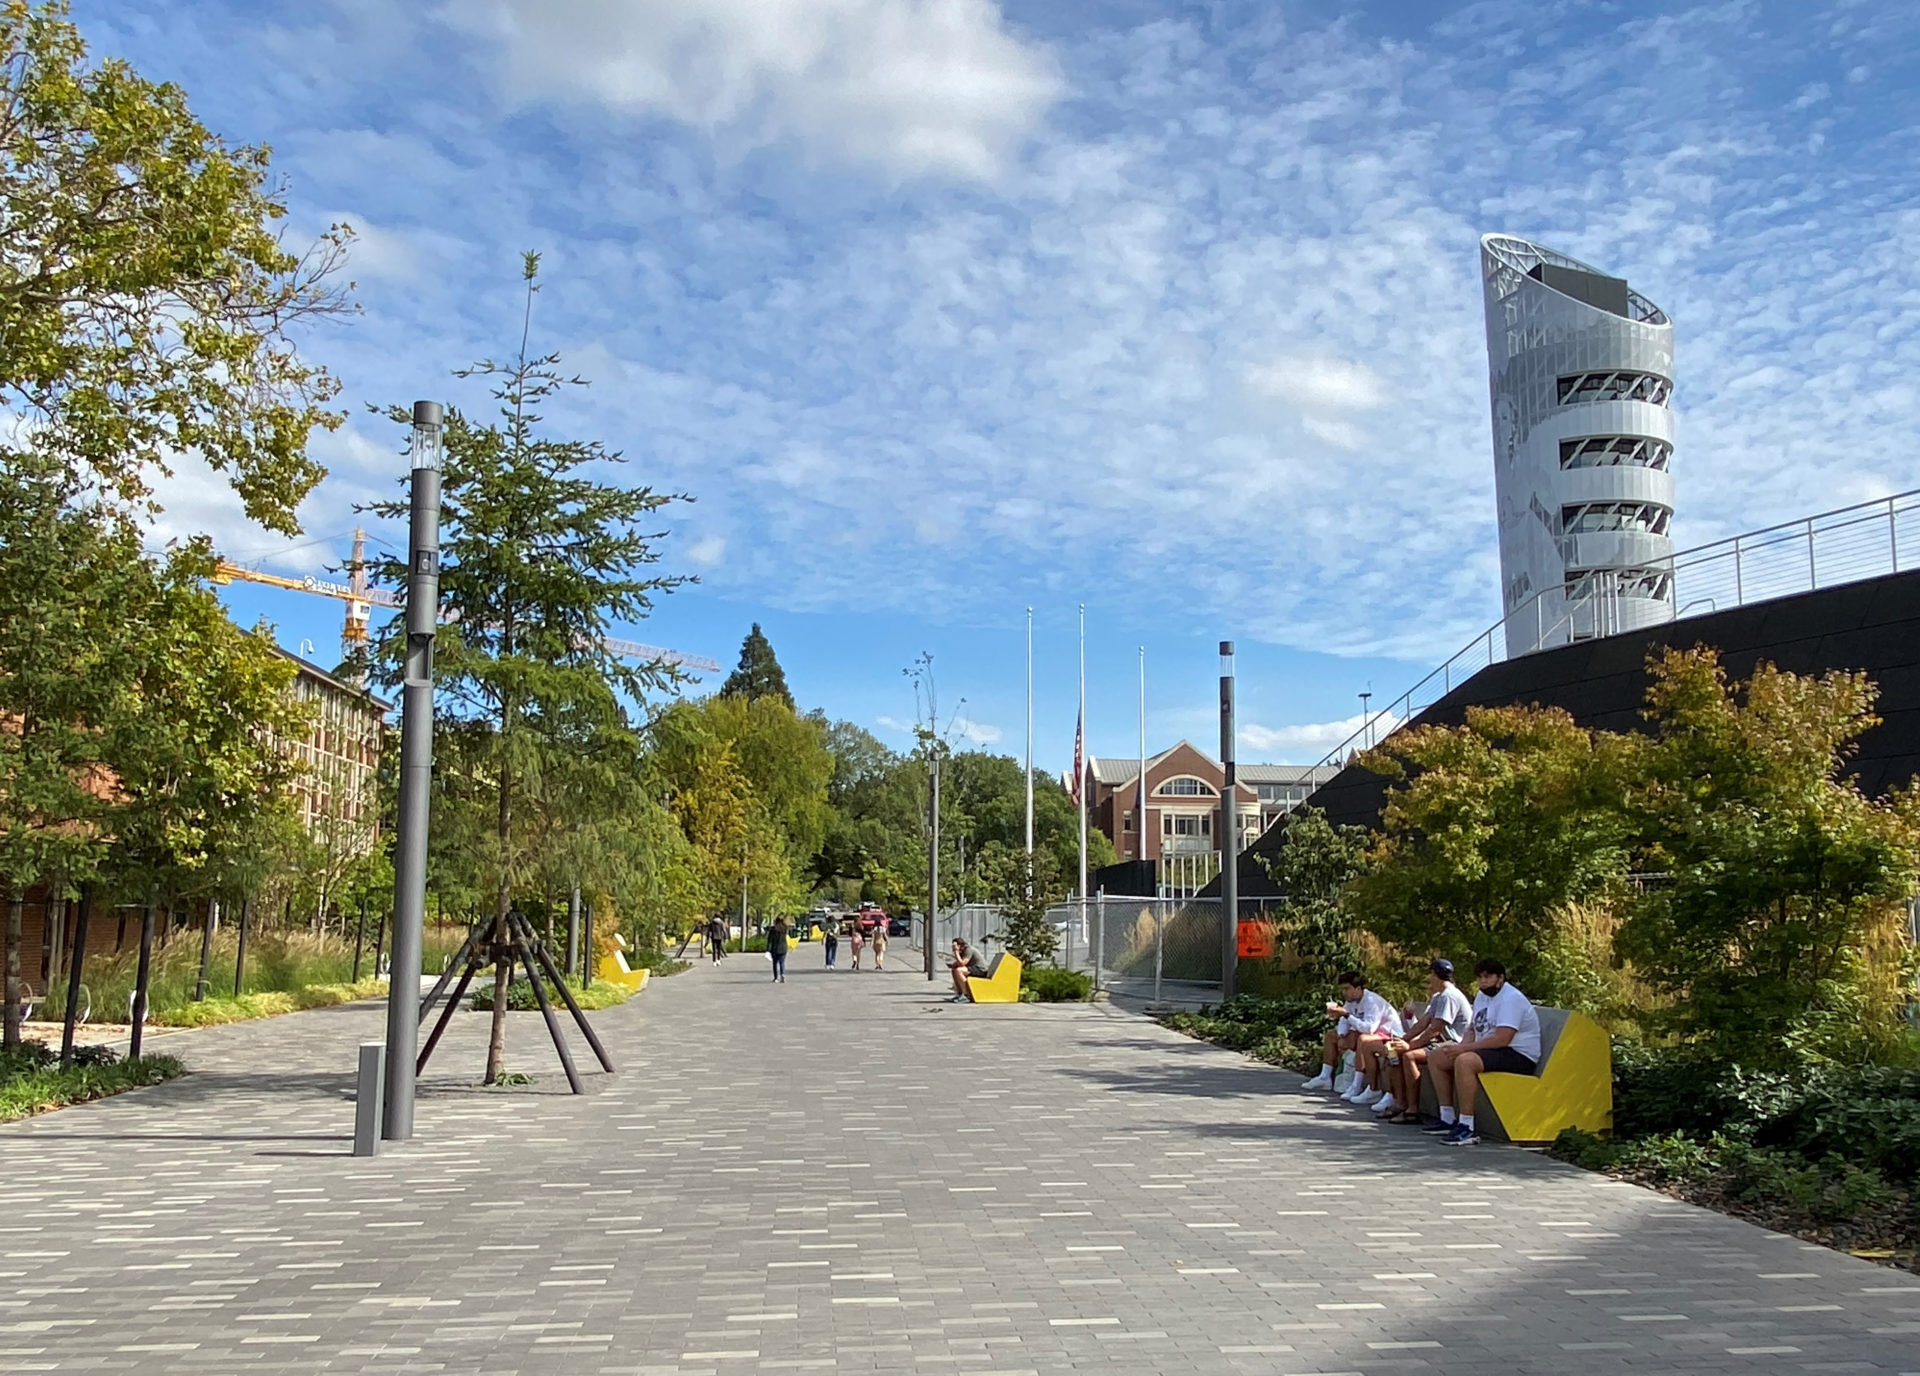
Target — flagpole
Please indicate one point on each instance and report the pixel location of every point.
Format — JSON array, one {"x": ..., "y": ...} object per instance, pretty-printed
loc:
[
  {"x": 1079, "y": 764},
  {"x": 1029, "y": 735},
  {"x": 1140, "y": 811}
]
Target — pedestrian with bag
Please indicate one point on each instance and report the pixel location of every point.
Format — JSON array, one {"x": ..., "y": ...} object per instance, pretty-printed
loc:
[{"x": 777, "y": 949}]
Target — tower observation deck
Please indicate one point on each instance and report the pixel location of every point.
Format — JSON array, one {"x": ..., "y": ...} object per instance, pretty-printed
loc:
[{"x": 1581, "y": 373}]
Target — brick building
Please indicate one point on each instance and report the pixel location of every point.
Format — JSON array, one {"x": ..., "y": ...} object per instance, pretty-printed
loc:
[
  {"x": 335, "y": 795},
  {"x": 1181, "y": 837}
]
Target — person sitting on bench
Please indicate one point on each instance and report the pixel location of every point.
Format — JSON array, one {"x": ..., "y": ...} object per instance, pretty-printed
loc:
[
  {"x": 966, "y": 963},
  {"x": 1504, "y": 1040},
  {"x": 1445, "y": 1018},
  {"x": 1363, "y": 1024}
]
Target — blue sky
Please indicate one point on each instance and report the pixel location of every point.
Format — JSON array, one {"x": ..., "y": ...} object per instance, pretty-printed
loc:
[{"x": 945, "y": 308}]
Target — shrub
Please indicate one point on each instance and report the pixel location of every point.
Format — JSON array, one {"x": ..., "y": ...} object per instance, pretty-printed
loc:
[
  {"x": 1049, "y": 985},
  {"x": 1283, "y": 1031},
  {"x": 599, "y": 994},
  {"x": 31, "y": 1082}
]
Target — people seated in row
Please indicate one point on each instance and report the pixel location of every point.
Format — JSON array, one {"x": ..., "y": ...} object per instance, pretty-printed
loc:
[
  {"x": 1499, "y": 1034},
  {"x": 1363, "y": 1025}
]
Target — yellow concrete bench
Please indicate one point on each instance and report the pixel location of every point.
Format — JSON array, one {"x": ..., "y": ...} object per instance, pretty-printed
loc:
[
  {"x": 1572, "y": 1087},
  {"x": 1001, "y": 983},
  {"x": 615, "y": 970}
]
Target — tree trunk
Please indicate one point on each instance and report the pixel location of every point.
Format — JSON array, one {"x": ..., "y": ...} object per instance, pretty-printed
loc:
[
  {"x": 206, "y": 948},
  {"x": 16, "y": 922},
  {"x": 502, "y": 977}
]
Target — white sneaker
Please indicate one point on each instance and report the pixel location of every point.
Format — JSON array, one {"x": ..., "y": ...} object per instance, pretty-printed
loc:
[
  {"x": 1355, "y": 1091},
  {"x": 1320, "y": 1081},
  {"x": 1371, "y": 1097},
  {"x": 1385, "y": 1106}
]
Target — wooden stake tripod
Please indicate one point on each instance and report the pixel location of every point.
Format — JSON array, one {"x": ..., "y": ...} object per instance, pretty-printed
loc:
[{"x": 510, "y": 939}]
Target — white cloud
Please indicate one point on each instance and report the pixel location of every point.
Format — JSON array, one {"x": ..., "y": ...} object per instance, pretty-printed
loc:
[
  {"x": 706, "y": 552},
  {"x": 907, "y": 86},
  {"x": 1320, "y": 383},
  {"x": 977, "y": 732},
  {"x": 1313, "y": 741}
]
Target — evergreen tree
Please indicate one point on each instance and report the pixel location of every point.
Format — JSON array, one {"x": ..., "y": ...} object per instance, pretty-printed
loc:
[
  {"x": 538, "y": 558},
  {"x": 758, "y": 674}
]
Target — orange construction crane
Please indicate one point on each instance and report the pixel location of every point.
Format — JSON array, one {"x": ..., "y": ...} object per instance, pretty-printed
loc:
[{"x": 361, "y": 598}]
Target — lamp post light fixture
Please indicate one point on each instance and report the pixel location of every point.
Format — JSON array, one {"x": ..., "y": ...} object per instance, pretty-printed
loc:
[
  {"x": 416, "y": 771},
  {"x": 1230, "y": 829},
  {"x": 1366, "y": 718}
]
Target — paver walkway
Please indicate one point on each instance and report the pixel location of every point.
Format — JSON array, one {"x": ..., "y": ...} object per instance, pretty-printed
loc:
[{"x": 842, "y": 1174}]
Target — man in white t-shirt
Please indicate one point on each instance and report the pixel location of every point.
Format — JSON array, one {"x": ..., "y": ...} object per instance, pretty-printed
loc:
[
  {"x": 1362, "y": 1025},
  {"x": 1504, "y": 1039},
  {"x": 1446, "y": 1017}
]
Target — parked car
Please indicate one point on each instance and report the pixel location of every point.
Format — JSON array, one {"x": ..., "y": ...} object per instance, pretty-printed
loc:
[{"x": 899, "y": 926}]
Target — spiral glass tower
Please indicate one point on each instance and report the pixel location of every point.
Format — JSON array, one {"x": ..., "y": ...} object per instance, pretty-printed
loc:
[{"x": 1581, "y": 372}]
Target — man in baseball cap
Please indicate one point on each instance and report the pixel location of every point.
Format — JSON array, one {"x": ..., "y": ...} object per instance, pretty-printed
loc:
[{"x": 1446, "y": 1018}]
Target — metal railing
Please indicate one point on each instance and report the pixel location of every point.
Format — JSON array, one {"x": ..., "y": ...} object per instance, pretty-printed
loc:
[{"x": 1845, "y": 545}]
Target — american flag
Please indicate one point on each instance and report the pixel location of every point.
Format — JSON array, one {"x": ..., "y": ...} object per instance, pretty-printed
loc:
[{"x": 1079, "y": 759}]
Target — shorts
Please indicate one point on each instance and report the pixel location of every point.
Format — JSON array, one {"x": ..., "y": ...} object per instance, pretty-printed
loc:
[{"x": 1504, "y": 1060}]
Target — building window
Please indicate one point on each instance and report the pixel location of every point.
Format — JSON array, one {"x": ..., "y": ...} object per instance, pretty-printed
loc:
[
  {"x": 1647, "y": 518},
  {"x": 1610, "y": 451},
  {"x": 1614, "y": 384},
  {"x": 1126, "y": 821},
  {"x": 1186, "y": 786},
  {"x": 1186, "y": 824},
  {"x": 1656, "y": 584}
]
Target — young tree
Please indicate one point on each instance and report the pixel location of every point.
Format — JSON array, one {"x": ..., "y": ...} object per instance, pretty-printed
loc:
[
  {"x": 1315, "y": 863},
  {"x": 1777, "y": 928},
  {"x": 539, "y": 557},
  {"x": 1491, "y": 829},
  {"x": 758, "y": 675},
  {"x": 145, "y": 308},
  {"x": 1023, "y": 888}
]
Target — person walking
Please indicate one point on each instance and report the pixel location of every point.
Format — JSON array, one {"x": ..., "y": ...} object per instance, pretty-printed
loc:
[
  {"x": 859, "y": 940},
  {"x": 716, "y": 938},
  {"x": 830, "y": 938},
  {"x": 777, "y": 949},
  {"x": 880, "y": 944}
]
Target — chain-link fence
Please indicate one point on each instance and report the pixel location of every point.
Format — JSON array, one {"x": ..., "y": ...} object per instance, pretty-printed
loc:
[{"x": 1142, "y": 947}]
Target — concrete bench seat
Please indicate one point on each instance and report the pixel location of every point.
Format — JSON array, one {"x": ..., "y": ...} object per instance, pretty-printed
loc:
[
  {"x": 1001, "y": 983},
  {"x": 1571, "y": 1087}
]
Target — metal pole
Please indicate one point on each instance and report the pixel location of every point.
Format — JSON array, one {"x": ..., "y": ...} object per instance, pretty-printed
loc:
[
  {"x": 587, "y": 971},
  {"x": 206, "y": 948},
  {"x": 1099, "y": 932},
  {"x": 933, "y": 844},
  {"x": 573, "y": 933},
  {"x": 1739, "y": 587},
  {"x": 1159, "y": 946},
  {"x": 1079, "y": 759},
  {"x": 76, "y": 967},
  {"x": 359, "y": 940},
  {"x": 1140, "y": 805},
  {"x": 142, "y": 982},
  {"x": 1229, "y": 843},
  {"x": 1813, "y": 577},
  {"x": 240, "y": 955},
  {"x": 1893, "y": 536},
  {"x": 416, "y": 772},
  {"x": 367, "y": 1099},
  {"x": 1029, "y": 749}
]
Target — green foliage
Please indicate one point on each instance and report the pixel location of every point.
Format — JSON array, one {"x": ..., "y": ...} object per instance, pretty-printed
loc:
[
  {"x": 1023, "y": 888},
  {"x": 1778, "y": 931},
  {"x": 147, "y": 311},
  {"x": 33, "y": 1083},
  {"x": 758, "y": 675},
  {"x": 215, "y": 1011},
  {"x": 1280, "y": 1031},
  {"x": 1491, "y": 831},
  {"x": 1045, "y": 984},
  {"x": 1312, "y": 869},
  {"x": 599, "y": 994}
]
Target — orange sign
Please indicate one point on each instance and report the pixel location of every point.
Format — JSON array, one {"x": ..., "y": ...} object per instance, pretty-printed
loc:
[{"x": 1255, "y": 940}]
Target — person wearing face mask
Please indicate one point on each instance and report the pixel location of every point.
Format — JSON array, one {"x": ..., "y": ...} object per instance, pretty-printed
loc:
[{"x": 1504, "y": 1039}]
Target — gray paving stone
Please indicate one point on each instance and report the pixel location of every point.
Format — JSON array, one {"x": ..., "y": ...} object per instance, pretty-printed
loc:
[{"x": 843, "y": 1174}]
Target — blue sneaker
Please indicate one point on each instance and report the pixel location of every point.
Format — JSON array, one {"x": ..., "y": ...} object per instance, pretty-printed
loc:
[{"x": 1461, "y": 1136}]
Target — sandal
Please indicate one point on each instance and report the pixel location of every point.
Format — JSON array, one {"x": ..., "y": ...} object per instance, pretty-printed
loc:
[{"x": 1405, "y": 1120}]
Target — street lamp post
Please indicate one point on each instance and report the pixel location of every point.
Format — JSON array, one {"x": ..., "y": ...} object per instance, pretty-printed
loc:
[
  {"x": 416, "y": 772},
  {"x": 1230, "y": 842},
  {"x": 1366, "y": 717}
]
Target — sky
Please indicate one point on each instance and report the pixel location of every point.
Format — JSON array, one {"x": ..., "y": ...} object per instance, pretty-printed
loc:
[{"x": 941, "y": 310}]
